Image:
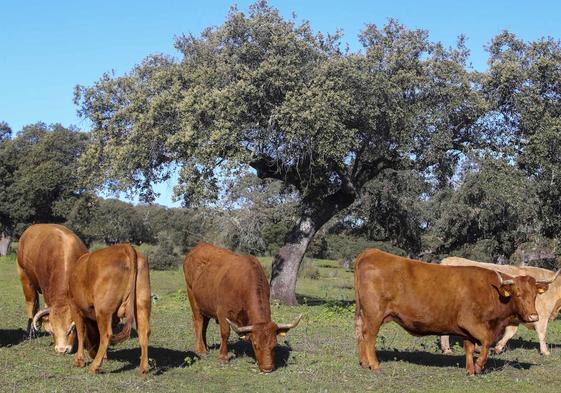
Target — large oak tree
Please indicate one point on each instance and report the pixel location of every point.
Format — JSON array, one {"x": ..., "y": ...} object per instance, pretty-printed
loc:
[{"x": 267, "y": 94}]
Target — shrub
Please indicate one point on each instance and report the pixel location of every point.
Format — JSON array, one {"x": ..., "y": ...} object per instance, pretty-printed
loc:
[{"x": 164, "y": 256}]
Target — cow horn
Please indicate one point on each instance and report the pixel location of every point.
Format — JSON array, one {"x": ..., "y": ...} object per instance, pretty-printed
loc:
[
  {"x": 549, "y": 281},
  {"x": 288, "y": 326},
  {"x": 40, "y": 315},
  {"x": 240, "y": 330},
  {"x": 72, "y": 327},
  {"x": 503, "y": 282}
]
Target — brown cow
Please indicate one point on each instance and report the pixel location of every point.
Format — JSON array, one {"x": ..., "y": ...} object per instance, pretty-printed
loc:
[
  {"x": 107, "y": 285},
  {"x": 474, "y": 303},
  {"x": 547, "y": 304},
  {"x": 45, "y": 254},
  {"x": 234, "y": 290}
]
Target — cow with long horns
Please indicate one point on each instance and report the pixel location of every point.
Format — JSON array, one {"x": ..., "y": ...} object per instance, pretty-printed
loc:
[
  {"x": 427, "y": 299},
  {"x": 234, "y": 290},
  {"x": 45, "y": 254}
]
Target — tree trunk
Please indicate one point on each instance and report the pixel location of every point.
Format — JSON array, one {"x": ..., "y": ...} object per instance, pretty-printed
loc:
[
  {"x": 5, "y": 241},
  {"x": 287, "y": 261}
]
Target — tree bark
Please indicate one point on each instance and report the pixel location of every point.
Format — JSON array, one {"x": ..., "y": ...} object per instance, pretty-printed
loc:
[
  {"x": 287, "y": 261},
  {"x": 5, "y": 241}
]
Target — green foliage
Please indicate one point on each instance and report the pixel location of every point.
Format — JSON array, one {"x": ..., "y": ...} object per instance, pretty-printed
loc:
[
  {"x": 268, "y": 94},
  {"x": 164, "y": 256},
  {"x": 109, "y": 220},
  {"x": 341, "y": 246},
  {"x": 39, "y": 179},
  {"x": 524, "y": 86},
  {"x": 488, "y": 215}
]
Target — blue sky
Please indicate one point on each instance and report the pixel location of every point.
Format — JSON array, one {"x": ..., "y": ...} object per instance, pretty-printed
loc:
[{"x": 47, "y": 47}]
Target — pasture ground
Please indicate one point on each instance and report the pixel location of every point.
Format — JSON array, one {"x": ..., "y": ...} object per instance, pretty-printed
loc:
[{"x": 319, "y": 355}]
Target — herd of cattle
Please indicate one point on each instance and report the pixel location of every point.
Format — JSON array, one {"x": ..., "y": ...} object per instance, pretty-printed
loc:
[{"x": 94, "y": 298}]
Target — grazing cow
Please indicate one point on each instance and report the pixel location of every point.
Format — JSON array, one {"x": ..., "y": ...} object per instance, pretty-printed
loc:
[
  {"x": 474, "y": 303},
  {"x": 45, "y": 255},
  {"x": 547, "y": 304},
  {"x": 234, "y": 290},
  {"x": 106, "y": 286}
]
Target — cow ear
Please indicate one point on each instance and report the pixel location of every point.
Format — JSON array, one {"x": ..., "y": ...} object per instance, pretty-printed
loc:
[
  {"x": 505, "y": 291},
  {"x": 542, "y": 287}
]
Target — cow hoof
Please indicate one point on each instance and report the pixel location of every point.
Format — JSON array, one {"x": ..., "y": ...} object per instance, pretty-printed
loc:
[
  {"x": 202, "y": 354},
  {"x": 376, "y": 371},
  {"x": 223, "y": 360},
  {"x": 478, "y": 369},
  {"x": 447, "y": 352},
  {"x": 364, "y": 364},
  {"x": 79, "y": 363},
  {"x": 547, "y": 353},
  {"x": 94, "y": 371},
  {"x": 498, "y": 350},
  {"x": 142, "y": 371}
]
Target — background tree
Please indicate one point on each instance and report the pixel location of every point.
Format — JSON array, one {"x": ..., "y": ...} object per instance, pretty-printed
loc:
[
  {"x": 524, "y": 86},
  {"x": 265, "y": 93},
  {"x": 38, "y": 175},
  {"x": 5, "y": 175},
  {"x": 490, "y": 213}
]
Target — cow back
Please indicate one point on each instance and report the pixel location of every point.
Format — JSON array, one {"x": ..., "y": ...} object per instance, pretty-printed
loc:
[
  {"x": 221, "y": 279},
  {"x": 45, "y": 254}
]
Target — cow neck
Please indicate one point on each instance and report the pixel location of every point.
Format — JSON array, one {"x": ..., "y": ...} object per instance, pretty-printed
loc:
[
  {"x": 259, "y": 310},
  {"x": 506, "y": 316}
]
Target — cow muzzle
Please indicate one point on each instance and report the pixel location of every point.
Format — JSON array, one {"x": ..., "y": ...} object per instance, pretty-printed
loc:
[
  {"x": 63, "y": 348},
  {"x": 533, "y": 318}
]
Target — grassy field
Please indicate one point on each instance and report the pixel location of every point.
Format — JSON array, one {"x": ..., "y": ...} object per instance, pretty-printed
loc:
[{"x": 319, "y": 355}]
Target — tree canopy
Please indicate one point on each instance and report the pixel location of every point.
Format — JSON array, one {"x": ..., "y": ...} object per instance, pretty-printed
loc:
[{"x": 268, "y": 94}]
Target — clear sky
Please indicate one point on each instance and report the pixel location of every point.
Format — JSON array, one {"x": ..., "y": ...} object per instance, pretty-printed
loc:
[{"x": 48, "y": 47}]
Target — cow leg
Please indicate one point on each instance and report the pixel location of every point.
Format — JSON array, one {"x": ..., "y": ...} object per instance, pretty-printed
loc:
[
  {"x": 105, "y": 332},
  {"x": 199, "y": 325},
  {"x": 31, "y": 301},
  {"x": 510, "y": 331},
  {"x": 224, "y": 334},
  {"x": 80, "y": 333},
  {"x": 483, "y": 356},
  {"x": 445, "y": 345},
  {"x": 92, "y": 338},
  {"x": 469, "y": 347},
  {"x": 541, "y": 329},
  {"x": 143, "y": 306},
  {"x": 361, "y": 347},
  {"x": 370, "y": 333}
]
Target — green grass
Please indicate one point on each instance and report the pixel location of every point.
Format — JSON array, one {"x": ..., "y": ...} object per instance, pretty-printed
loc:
[{"x": 319, "y": 355}]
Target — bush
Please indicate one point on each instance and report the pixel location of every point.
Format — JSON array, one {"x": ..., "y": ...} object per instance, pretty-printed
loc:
[{"x": 164, "y": 256}]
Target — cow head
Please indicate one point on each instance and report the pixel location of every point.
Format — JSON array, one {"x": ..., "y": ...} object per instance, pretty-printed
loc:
[
  {"x": 263, "y": 337},
  {"x": 57, "y": 321},
  {"x": 522, "y": 292}
]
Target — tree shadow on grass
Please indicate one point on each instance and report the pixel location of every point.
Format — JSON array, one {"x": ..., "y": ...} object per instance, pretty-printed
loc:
[
  {"x": 242, "y": 348},
  {"x": 164, "y": 359},
  {"x": 520, "y": 343},
  {"x": 316, "y": 301},
  {"x": 512, "y": 344},
  {"x": 10, "y": 337},
  {"x": 441, "y": 360}
]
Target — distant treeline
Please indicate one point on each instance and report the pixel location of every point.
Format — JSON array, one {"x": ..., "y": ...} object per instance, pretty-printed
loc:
[{"x": 492, "y": 213}]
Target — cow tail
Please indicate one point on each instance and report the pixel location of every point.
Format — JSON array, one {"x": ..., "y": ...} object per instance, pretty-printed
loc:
[
  {"x": 130, "y": 300},
  {"x": 358, "y": 317}
]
